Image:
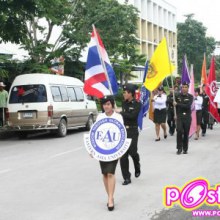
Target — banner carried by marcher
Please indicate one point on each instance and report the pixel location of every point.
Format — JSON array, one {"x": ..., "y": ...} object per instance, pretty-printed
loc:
[
  {"x": 185, "y": 71},
  {"x": 211, "y": 90},
  {"x": 144, "y": 99},
  {"x": 193, "y": 126},
  {"x": 203, "y": 73},
  {"x": 159, "y": 67},
  {"x": 100, "y": 79}
]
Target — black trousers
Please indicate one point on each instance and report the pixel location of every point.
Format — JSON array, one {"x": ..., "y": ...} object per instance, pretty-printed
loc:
[
  {"x": 183, "y": 128},
  {"x": 171, "y": 121},
  {"x": 132, "y": 151},
  {"x": 2, "y": 116},
  {"x": 205, "y": 120}
]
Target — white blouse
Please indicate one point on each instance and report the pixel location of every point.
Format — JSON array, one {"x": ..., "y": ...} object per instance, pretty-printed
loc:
[
  {"x": 114, "y": 115},
  {"x": 198, "y": 102},
  {"x": 160, "y": 101}
]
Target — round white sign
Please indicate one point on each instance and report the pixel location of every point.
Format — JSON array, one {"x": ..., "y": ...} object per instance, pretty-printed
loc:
[{"x": 107, "y": 140}]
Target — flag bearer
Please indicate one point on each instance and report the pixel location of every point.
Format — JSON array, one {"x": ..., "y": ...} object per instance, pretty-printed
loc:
[
  {"x": 205, "y": 112},
  {"x": 170, "y": 113},
  {"x": 183, "y": 104},
  {"x": 130, "y": 111}
]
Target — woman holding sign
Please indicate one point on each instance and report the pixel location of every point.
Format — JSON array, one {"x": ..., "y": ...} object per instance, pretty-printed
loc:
[{"x": 108, "y": 167}]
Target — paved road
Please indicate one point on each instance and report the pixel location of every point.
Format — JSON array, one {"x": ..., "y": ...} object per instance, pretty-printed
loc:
[{"x": 47, "y": 178}]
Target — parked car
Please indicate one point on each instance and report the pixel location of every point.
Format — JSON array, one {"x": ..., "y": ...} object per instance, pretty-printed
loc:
[{"x": 48, "y": 102}]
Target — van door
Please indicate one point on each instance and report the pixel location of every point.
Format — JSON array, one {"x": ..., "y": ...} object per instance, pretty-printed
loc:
[
  {"x": 62, "y": 107},
  {"x": 79, "y": 106}
]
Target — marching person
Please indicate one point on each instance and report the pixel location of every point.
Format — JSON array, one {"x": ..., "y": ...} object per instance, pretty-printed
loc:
[
  {"x": 170, "y": 113},
  {"x": 108, "y": 168},
  {"x": 3, "y": 103},
  {"x": 130, "y": 111},
  {"x": 160, "y": 112},
  {"x": 183, "y": 104},
  {"x": 198, "y": 107},
  {"x": 205, "y": 112}
]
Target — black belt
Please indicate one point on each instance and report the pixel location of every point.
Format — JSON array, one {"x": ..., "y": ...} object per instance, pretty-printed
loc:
[{"x": 130, "y": 126}]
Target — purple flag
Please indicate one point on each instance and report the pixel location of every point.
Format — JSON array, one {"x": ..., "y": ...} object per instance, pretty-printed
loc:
[
  {"x": 193, "y": 126},
  {"x": 185, "y": 71}
]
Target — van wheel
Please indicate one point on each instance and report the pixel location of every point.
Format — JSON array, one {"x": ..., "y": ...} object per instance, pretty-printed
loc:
[
  {"x": 62, "y": 128},
  {"x": 89, "y": 123},
  {"x": 22, "y": 134}
]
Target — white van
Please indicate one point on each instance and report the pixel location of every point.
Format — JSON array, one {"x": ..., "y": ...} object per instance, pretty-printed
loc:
[{"x": 48, "y": 102}]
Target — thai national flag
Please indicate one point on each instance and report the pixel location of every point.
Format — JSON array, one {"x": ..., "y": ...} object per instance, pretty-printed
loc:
[{"x": 96, "y": 81}]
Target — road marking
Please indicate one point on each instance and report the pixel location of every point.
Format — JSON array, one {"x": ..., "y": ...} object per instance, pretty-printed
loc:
[
  {"x": 4, "y": 171},
  {"x": 66, "y": 152}
]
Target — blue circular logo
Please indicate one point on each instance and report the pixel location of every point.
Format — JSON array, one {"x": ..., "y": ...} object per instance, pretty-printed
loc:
[{"x": 107, "y": 136}]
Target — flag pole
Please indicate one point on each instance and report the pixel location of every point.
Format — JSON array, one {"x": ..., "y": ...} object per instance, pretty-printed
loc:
[
  {"x": 167, "y": 82},
  {"x": 102, "y": 61},
  {"x": 171, "y": 80}
]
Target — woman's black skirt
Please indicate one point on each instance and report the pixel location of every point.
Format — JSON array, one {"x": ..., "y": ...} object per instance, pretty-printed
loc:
[
  {"x": 199, "y": 117},
  {"x": 160, "y": 116},
  {"x": 108, "y": 167}
]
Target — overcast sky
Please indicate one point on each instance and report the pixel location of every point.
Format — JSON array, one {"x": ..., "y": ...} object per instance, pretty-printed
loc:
[{"x": 206, "y": 11}]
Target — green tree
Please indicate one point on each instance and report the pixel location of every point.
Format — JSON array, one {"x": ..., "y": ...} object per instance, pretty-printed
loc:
[
  {"x": 12, "y": 19},
  {"x": 115, "y": 22},
  {"x": 192, "y": 41}
]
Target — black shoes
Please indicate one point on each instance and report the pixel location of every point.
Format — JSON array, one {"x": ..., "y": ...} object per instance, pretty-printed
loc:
[
  {"x": 203, "y": 134},
  {"x": 179, "y": 152},
  {"x": 158, "y": 139},
  {"x": 137, "y": 174},
  {"x": 165, "y": 136},
  {"x": 127, "y": 181},
  {"x": 110, "y": 208}
]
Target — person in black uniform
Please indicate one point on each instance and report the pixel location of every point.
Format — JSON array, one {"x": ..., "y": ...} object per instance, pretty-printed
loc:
[
  {"x": 130, "y": 111},
  {"x": 170, "y": 113},
  {"x": 205, "y": 112},
  {"x": 183, "y": 102},
  {"x": 171, "y": 121}
]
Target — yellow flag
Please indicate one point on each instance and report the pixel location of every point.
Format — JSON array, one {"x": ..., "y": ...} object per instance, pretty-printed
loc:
[{"x": 159, "y": 67}]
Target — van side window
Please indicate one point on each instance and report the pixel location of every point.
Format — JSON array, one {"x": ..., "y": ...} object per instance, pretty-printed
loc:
[
  {"x": 71, "y": 94},
  {"x": 79, "y": 94},
  {"x": 56, "y": 94},
  {"x": 64, "y": 94}
]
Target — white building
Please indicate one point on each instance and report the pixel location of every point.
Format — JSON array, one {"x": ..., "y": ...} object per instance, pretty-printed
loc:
[{"x": 157, "y": 19}]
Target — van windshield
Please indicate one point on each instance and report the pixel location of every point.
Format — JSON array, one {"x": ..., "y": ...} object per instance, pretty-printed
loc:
[{"x": 28, "y": 93}]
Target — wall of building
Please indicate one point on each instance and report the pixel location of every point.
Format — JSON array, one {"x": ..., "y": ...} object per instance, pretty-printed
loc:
[{"x": 157, "y": 19}]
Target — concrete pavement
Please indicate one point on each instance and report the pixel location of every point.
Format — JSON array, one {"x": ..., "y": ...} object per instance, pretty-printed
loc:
[{"x": 47, "y": 178}]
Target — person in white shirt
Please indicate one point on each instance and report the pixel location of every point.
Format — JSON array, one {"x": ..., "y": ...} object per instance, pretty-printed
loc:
[
  {"x": 198, "y": 100},
  {"x": 160, "y": 112},
  {"x": 108, "y": 168}
]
